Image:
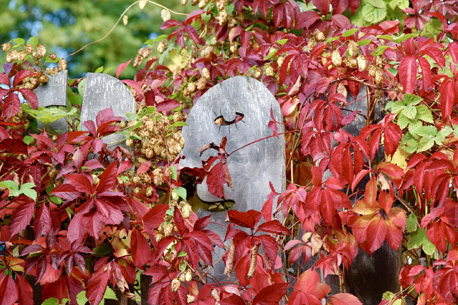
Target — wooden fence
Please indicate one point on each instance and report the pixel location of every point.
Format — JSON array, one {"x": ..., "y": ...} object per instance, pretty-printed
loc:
[{"x": 239, "y": 109}]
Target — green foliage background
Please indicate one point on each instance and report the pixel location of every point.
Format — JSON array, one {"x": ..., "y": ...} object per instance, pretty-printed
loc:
[{"x": 65, "y": 26}]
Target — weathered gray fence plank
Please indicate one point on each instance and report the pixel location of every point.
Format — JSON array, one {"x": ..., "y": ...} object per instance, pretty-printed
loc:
[
  {"x": 251, "y": 168},
  {"x": 104, "y": 91},
  {"x": 54, "y": 93}
]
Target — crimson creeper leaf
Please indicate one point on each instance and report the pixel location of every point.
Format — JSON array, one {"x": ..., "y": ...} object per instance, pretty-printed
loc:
[
  {"x": 155, "y": 217},
  {"x": 141, "y": 250},
  {"x": 21, "y": 75},
  {"x": 344, "y": 299},
  {"x": 247, "y": 219},
  {"x": 22, "y": 215},
  {"x": 25, "y": 291},
  {"x": 97, "y": 284},
  {"x": 121, "y": 68},
  {"x": 408, "y": 74},
  {"x": 271, "y": 295},
  {"x": 8, "y": 290},
  {"x": 275, "y": 227},
  {"x": 448, "y": 98}
]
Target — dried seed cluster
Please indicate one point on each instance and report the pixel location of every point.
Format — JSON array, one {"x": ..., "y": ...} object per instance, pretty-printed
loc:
[{"x": 159, "y": 141}]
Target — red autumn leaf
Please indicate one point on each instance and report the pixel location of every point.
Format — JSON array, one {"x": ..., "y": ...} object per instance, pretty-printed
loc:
[
  {"x": 270, "y": 247},
  {"x": 408, "y": 74},
  {"x": 271, "y": 295},
  {"x": 21, "y": 75},
  {"x": 8, "y": 291},
  {"x": 275, "y": 227},
  {"x": 308, "y": 289},
  {"x": 13, "y": 146},
  {"x": 376, "y": 233},
  {"x": 97, "y": 284},
  {"x": 121, "y": 68},
  {"x": 12, "y": 105},
  {"x": 448, "y": 98},
  {"x": 216, "y": 180},
  {"x": 268, "y": 205},
  {"x": 344, "y": 299},
  {"x": 445, "y": 281},
  {"x": 22, "y": 215},
  {"x": 42, "y": 221},
  {"x": 232, "y": 300},
  {"x": 378, "y": 220},
  {"x": 322, "y": 6},
  {"x": 141, "y": 250},
  {"x": 143, "y": 168},
  {"x": 108, "y": 180},
  {"x": 247, "y": 219},
  {"x": 453, "y": 49},
  {"x": 155, "y": 217},
  {"x": 30, "y": 96},
  {"x": 25, "y": 291},
  {"x": 80, "y": 182},
  {"x": 4, "y": 79},
  {"x": 66, "y": 192},
  {"x": 426, "y": 72}
]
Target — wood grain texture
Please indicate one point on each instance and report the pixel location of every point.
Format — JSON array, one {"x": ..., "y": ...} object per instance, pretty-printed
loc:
[
  {"x": 54, "y": 93},
  {"x": 251, "y": 168},
  {"x": 104, "y": 91}
]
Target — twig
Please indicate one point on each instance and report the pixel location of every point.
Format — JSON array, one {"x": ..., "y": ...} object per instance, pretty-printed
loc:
[{"x": 119, "y": 19}]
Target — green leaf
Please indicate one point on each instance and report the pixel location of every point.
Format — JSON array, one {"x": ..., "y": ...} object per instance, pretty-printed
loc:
[
  {"x": 178, "y": 124},
  {"x": 174, "y": 172},
  {"x": 99, "y": 70},
  {"x": 131, "y": 116},
  {"x": 181, "y": 191},
  {"x": 349, "y": 32},
  {"x": 28, "y": 139},
  {"x": 379, "y": 51},
  {"x": 393, "y": 71},
  {"x": 424, "y": 114},
  {"x": 12, "y": 186},
  {"x": 282, "y": 41},
  {"x": 445, "y": 131},
  {"x": 401, "y": 4},
  {"x": 81, "y": 298},
  {"x": 386, "y": 37},
  {"x": 331, "y": 39},
  {"x": 403, "y": 121},
  {"x": 410, "y": 112},
  {"x": 411, "y": 225},
  {"x": 27, "y": 189},
  {"x": 230, "y": 8},
  {"x": 374, "y": 12},
  {"x": 33, "y": 41},
  {"x": 110, "y": 294},
  {"x": 149, "y": 111},
  {"x": 409, "y": 144},
  {"x": 364, "y": 42},
  {"x": 420, "y": 239},
  {"x": 47, "y": 115},
  {"x": 51, "y": 301},
  {"x": 73, "y": 98},
  {"x": 410, "y": 99},
  {"x": 170, "y": 211},
  {"x": 19, "y": 41},
  {"x": 425, "y": 131},
  {"x": 271, "y": 54},
  {"x": 405, "y": 37},
  {"x": 425, "y": 144},
  {"x": 182, "y": 254}
]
